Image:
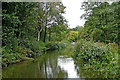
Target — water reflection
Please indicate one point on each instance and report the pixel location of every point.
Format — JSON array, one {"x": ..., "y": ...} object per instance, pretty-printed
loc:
[
  {"x": 50, "y": 65},
  {"x": 67, "y": 64}
]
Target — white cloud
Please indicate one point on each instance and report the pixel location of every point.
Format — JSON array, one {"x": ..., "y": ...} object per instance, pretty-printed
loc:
[{"x": 73, "y": 12}]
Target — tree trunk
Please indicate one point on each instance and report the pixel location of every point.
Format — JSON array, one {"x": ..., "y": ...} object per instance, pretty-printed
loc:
[
  {"x": 41, "y": 34},
  {"x": 38, "y": 35},
  {"x": 45, "y": 31},
  {"x": 49, "y": 36},
  {"x": 45, "y": 34},
  {"x": 45, "y": 24}
]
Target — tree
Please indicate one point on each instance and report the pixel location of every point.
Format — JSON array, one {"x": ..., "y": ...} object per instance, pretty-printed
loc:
[
  {"x": 53, "y": 16},
  {"x": 102, "y": 22},
  {"x": 77, "y": 28}
]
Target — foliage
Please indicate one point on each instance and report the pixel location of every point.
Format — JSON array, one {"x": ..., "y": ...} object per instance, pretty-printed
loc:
[
  {"x": 77, "y": 28},
  {"x": 57, "y": 33},
  {"x": 98, "y": 57},
  {"x": 25, "y": 28},
  {"x": 102, "y": 22},
  {"x": 72, "y": 36},
  {"x": 98, "y": 51},
  {"x": 55, "y": 45}
]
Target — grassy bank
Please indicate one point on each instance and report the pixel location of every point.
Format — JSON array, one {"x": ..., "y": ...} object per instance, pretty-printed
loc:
[{"x": 99, "y": 57}]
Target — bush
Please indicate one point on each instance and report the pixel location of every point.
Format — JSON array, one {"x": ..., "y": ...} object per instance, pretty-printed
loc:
[
  {"x": 55, "y": 45},
  {"x": 27, "y": 47},
  {"x": 97, "y": 56},
  {"x": 32, "y": 44},
  {"x": 72, "y": 36}
]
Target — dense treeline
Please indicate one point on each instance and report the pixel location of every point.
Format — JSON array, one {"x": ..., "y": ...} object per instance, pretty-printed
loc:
[
  {"x": 102, "y": 21},
  {"x": 27, "y": 26}
]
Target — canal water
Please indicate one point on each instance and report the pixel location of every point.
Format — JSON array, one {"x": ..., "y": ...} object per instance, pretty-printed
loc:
[{"x": 52, "y": 64}]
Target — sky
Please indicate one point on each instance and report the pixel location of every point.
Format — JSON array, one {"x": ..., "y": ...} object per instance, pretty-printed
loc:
[{"x": 73, "y": 13}]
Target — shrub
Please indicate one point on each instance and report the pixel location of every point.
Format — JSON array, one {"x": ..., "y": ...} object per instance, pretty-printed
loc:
[
  {"x": 97, "y": 56},
  {"x": 55, "y": 45},
  {"x": 27, "y": 47},
  {"x": 72, "y": 36}
]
